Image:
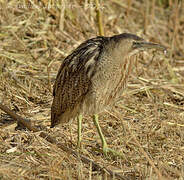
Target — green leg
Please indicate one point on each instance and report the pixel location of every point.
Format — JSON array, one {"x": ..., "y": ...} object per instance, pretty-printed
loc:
[
  {"x": 104, "y": 144},
  {"x": 79, "y": 118}
]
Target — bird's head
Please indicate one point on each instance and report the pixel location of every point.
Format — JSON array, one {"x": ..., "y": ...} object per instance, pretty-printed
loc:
[{"x": 130, "y": 44}]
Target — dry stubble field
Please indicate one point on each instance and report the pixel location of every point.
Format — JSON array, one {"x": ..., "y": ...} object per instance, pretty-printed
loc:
[{"x": 146, "y": 126}]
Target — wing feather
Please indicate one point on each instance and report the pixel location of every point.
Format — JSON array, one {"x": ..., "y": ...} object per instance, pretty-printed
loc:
[{"x": 73, "y": 80}]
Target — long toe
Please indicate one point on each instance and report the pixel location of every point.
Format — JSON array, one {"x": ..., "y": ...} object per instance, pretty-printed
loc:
[{"x": 112, "y": 152}]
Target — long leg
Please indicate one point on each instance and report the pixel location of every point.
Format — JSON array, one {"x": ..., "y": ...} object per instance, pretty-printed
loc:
[
  {"x": 79, "y": 118},
  {"x": 104, "y": 143}
]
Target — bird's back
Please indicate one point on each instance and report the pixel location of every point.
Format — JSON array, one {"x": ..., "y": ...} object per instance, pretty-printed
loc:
[{"x": 74, "y": 80}]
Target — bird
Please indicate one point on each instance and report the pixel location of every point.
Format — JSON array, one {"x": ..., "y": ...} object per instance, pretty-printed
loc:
[{"x": 93, "y": 77}]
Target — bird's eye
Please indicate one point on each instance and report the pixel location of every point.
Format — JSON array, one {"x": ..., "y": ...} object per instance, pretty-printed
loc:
[{"x": 135, "y": 44}]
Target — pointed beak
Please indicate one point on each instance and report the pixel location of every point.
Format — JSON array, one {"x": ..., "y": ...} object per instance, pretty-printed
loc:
[{"x": 142, "y": 45}]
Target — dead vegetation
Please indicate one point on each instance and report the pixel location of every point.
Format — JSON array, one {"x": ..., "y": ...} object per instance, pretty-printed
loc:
[{"x": 146, "y": 126}]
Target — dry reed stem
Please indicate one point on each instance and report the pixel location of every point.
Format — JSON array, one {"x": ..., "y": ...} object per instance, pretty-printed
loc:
[
  {"x": 160, "y": 177},
  {"x": 50, "y": 139},
  {"x": 99, "y": 18}
]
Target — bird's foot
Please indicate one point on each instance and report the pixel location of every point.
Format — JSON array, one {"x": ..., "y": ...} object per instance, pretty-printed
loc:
[{"x": 112, "y": 152}]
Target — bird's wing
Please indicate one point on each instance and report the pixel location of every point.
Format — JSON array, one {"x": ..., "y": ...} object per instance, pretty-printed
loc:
[{"x": 73, "y": 80}]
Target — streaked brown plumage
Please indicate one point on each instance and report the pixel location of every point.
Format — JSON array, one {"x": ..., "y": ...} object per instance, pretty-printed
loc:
[{"x": 94, "y": 75}]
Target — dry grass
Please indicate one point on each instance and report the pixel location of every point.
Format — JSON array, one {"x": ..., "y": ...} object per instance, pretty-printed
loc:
[{"x": 35, "y": 36}]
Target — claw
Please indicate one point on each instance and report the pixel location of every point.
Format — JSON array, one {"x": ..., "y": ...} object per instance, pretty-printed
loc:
[{"x": 114, "y": 153}]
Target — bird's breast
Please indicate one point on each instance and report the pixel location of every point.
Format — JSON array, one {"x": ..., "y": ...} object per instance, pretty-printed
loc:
[{"x": 109, "y": 84}]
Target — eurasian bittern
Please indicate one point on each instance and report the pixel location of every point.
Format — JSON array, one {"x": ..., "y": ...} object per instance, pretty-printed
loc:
[{"x": 93, "y": 77}]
